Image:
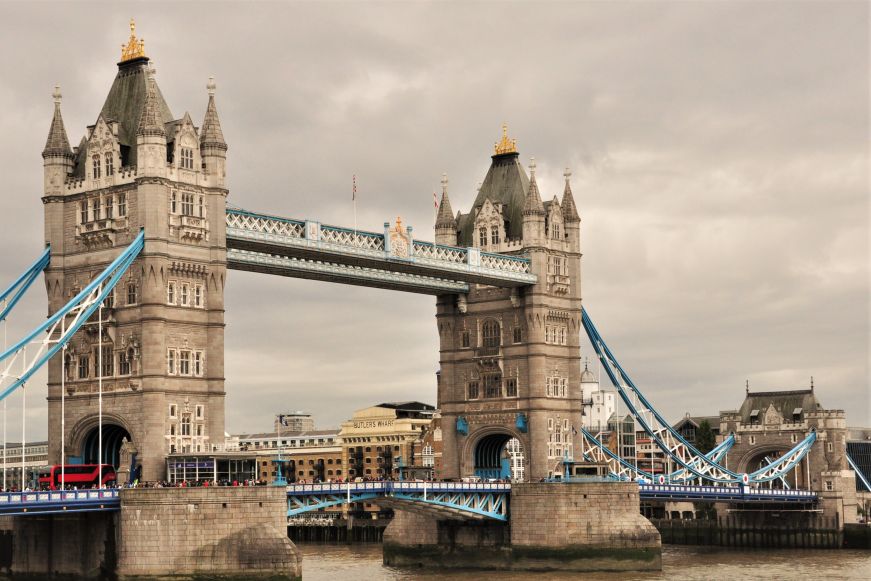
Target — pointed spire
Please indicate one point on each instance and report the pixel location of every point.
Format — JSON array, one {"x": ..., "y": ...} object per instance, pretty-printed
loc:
[
  {"x": 570, "y": 211},
  {"x": 57, "y": 142},
  {"x": 151, "y": 121},
  {"x": 211, "y": 134},
  {"x": 445, "y": 216},
  {"x": 532, "y": 204}
]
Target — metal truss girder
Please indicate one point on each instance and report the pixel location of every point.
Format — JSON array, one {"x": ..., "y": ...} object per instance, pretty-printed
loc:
[{"x": 330, "y": 272}]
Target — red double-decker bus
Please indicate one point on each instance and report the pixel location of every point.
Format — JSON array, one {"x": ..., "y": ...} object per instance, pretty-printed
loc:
[{"x": 78, "y": 475}]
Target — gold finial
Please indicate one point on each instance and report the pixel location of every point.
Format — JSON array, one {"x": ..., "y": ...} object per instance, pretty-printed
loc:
[
  {"x": 57, "y": 95},
  {"x": 134, "y": 48},
  {"x": 505, "y": 145}
]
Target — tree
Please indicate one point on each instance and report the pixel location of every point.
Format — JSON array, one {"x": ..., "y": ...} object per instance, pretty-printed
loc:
[{"x": 705, "y": 440}]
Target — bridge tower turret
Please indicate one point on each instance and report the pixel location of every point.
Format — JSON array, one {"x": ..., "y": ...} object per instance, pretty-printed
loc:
[
  {"x": 510, "y": 358},
  {"x": 139, "y": 167}
]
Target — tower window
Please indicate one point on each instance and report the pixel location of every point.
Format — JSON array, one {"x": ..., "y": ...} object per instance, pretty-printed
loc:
[
  {"x": 482, "y": 237},
  {"x": 173, "y": 203},
  {"x": 83, "y": 210},
  {"x": 131, "y": 293},
  {"x": 518, "y": 334},
  {"x": 83, "y": 366},
  {"x": 122, "y": 204},
  {"x": 185, "y": 294},
  {"x": 170, "y": 368},
  {"x": 187, "y": 204},
  {"x": 491, "y": 333},
  {"x": 107, "y": 361},
  {"x": 493, "y": 385},
  {"x": 187, "y": 158},
  {"x": 198, "y": 295},
  {"x": 124, "y": 358},
  {"x": 186, "y": 425},
  {"x": 494, "y": 235},
  {"x": 473, "y": 390},
  {"x": 201, "y": 204},
  {"x": 96, "y": 208},
  {"x": 110, "y": 164},
  {"x": 170, "y": 292},
  {"x": 95, "y": 166},
  {"x": 110, "y": 207},
  {"x": 172, "y": 409},
  {"x": 198, "y": 363},
  {"x": 465, "y": 339},
  {"x": 555, "y": 231},
  {"x": 184, "y": 362},
  {"x": 511, "y": 387}
]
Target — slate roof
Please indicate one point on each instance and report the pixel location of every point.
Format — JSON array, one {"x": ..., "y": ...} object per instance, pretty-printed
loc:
[
  {"x": 506, "y": 183},
  {"x": 125, "y": 102},
  {"x": 784, "y": 401}
]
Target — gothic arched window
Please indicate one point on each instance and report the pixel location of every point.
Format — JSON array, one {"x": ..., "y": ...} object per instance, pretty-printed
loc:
[
  {"x": 556, "y": 231},
  {"x": 494, "y": 234},
  {"x": 96, "y": 166},
  {"x": 491, "y": 333},
  {"x": 110, "y": 163},
  {"x": 482, "y": 236}
]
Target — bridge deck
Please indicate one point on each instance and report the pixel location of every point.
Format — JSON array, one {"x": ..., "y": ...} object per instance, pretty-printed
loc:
[
  {"x": 307, "y": 249},
  {"x": 53, "y": 502}
]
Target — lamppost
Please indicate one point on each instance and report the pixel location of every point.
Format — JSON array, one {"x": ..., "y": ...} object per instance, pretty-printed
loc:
[{"x": 280, "y": 480}]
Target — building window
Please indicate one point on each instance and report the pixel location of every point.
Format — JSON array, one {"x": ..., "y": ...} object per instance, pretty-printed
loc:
[
  {"x": 829, "y": 447},
  {"x": 95, "y": 163},
  {"x": 187, "y": 158},
  {"x": 186, "y": 425},
  {"x": 199, "y": 429},
  {"x": 83, "y": 366},
  {"x": 201, "y": 205},
  {"x": 550, "y": 423},
  {"x": 518, "y": 334},
  {"x": 465, "y": 340},
  {"x": 491, "y": 333},
  {"x": 198, "y": 295},
  {"x": 198, "y": 363},
  {"x": 829, "y": 486},
  {"x": 494, "y": 234},
  {"x": 83, "y": 211},
  {"x": 173, "y": 203},
  {"x": 200, "y": 410},
  {"x": 123, "y": 363},
  {"x": 170, "y": 292},
  {"x": 511, "y": 387},
  {"x": 794, "y": 438},
  {"x": 752, "y": 440},
  {"x": 110, "y": 164},
  {"x": 110, "y": 207},
  {"x": 184, "y": 362},
  {"x": 555, "y": 231},
  {"x": 172, "y": 410},
  {"x": 185, "y": 294},
  {"x": 482, "y": 237},
  {"x": 171, "y": 429},
  {"x": 187, "y": 204},
  {"x": 122, "y": 204},
  {"x": 131, "y": 293},
  {"x": 473, "y": 390},
  {"x": 106, "y": 361},
  {"x": 170, "y": 361},
  {"x": 96, "y": 208},
  {"x": 492, "y": 385}
]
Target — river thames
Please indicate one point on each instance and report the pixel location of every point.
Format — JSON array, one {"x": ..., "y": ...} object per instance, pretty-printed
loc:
[{"x": 323, "y": 562}]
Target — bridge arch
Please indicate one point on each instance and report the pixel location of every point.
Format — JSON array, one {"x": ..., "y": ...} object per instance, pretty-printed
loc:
[
  {"x": 754, "y": 459},
  {"x": 485, "y": 450},
  {"x": 83, "y": 439}
]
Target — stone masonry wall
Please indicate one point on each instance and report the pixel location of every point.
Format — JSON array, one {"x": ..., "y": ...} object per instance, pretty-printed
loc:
[
  {"x": 220, "y": 531},
  {"x": 581, "y": 526}
]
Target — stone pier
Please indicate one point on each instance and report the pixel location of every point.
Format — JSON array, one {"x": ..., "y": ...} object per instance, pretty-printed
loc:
[
  {"x": 578, "y": 526},
  {"x": 165, "y": 533}
]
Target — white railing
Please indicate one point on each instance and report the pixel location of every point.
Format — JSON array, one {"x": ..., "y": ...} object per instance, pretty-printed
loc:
[
  {"x": 264, "y": 224},
  {"x": 504, "y": 263},
  {"x": 440, "y": 253},
  {"x": 355, "y": 239}
]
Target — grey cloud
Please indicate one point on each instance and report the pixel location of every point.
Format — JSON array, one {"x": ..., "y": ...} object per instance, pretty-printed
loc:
[{"x": 719, "y": 152}]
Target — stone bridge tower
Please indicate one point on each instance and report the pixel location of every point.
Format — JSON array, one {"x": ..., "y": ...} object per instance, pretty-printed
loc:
[
  {"x": 139, "y": 167},
  {"x": 510, "y": 359}
]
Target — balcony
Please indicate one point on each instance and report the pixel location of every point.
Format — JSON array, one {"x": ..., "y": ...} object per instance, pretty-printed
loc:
[
  {"x": 558, "y": 283},
  {"x": 189, "y": 228},
  {"x": 97, "y": 233},
  {"x": 489, "y": 357}
]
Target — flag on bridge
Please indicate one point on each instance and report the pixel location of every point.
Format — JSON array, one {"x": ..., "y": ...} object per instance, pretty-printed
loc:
[
  {"x": 354, "y": 190},
  {"x": 435, "y": 200}
]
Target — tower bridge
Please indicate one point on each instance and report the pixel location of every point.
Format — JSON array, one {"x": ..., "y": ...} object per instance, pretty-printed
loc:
[{"x": 140, "y": 238}]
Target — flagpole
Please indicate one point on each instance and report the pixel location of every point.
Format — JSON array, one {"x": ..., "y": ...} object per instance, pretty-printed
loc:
[{"x": 354, "y": 199}]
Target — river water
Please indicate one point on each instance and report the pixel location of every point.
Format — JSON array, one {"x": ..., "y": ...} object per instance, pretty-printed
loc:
[{"x": 326, "y": 562}]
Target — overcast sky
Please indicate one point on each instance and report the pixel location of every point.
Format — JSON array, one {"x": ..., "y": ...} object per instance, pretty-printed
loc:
[{"x": 720, "y": 159}]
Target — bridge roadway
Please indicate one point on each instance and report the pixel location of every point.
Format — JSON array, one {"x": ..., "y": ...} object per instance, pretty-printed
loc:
[
  {"x": 391, "y": 259},
  {"x": 449, "y": 500}
]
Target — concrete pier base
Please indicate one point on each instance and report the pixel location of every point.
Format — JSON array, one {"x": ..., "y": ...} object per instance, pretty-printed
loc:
[
  {"x": 582, "y": 526},
  {"x": 209, "y": 532}
]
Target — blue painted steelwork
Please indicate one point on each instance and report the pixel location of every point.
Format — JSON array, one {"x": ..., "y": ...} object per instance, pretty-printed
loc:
[
  {"x": 730, "y": 494},
  {"x": 863, "y": 478},
  {"x": 462, "y": 426},
  {"x": 10, "y": 297},
  {"x": 49, "y": 337},
  {"x": 58, "y": 502},
  {"x": 521, "y": 423},
  {"x": 462, "y": 499},
  {"x": 670, "y": 441},
  {"x": 309, "y": 242}
]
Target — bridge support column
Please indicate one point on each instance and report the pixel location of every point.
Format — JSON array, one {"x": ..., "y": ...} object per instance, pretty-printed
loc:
[
  {"x": 212, "y": 532},
  {"x": 576, "y": 526}
]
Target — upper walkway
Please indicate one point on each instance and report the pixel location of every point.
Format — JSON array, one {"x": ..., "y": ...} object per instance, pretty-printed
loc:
[{"x": 392, "y": 259}]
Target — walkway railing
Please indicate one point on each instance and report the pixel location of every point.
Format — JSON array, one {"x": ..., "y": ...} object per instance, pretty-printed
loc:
[{"x": 56, "y": 501}]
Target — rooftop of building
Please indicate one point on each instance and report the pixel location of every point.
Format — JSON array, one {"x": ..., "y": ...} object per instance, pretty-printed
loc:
[{"x": 284, "y": 435}]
